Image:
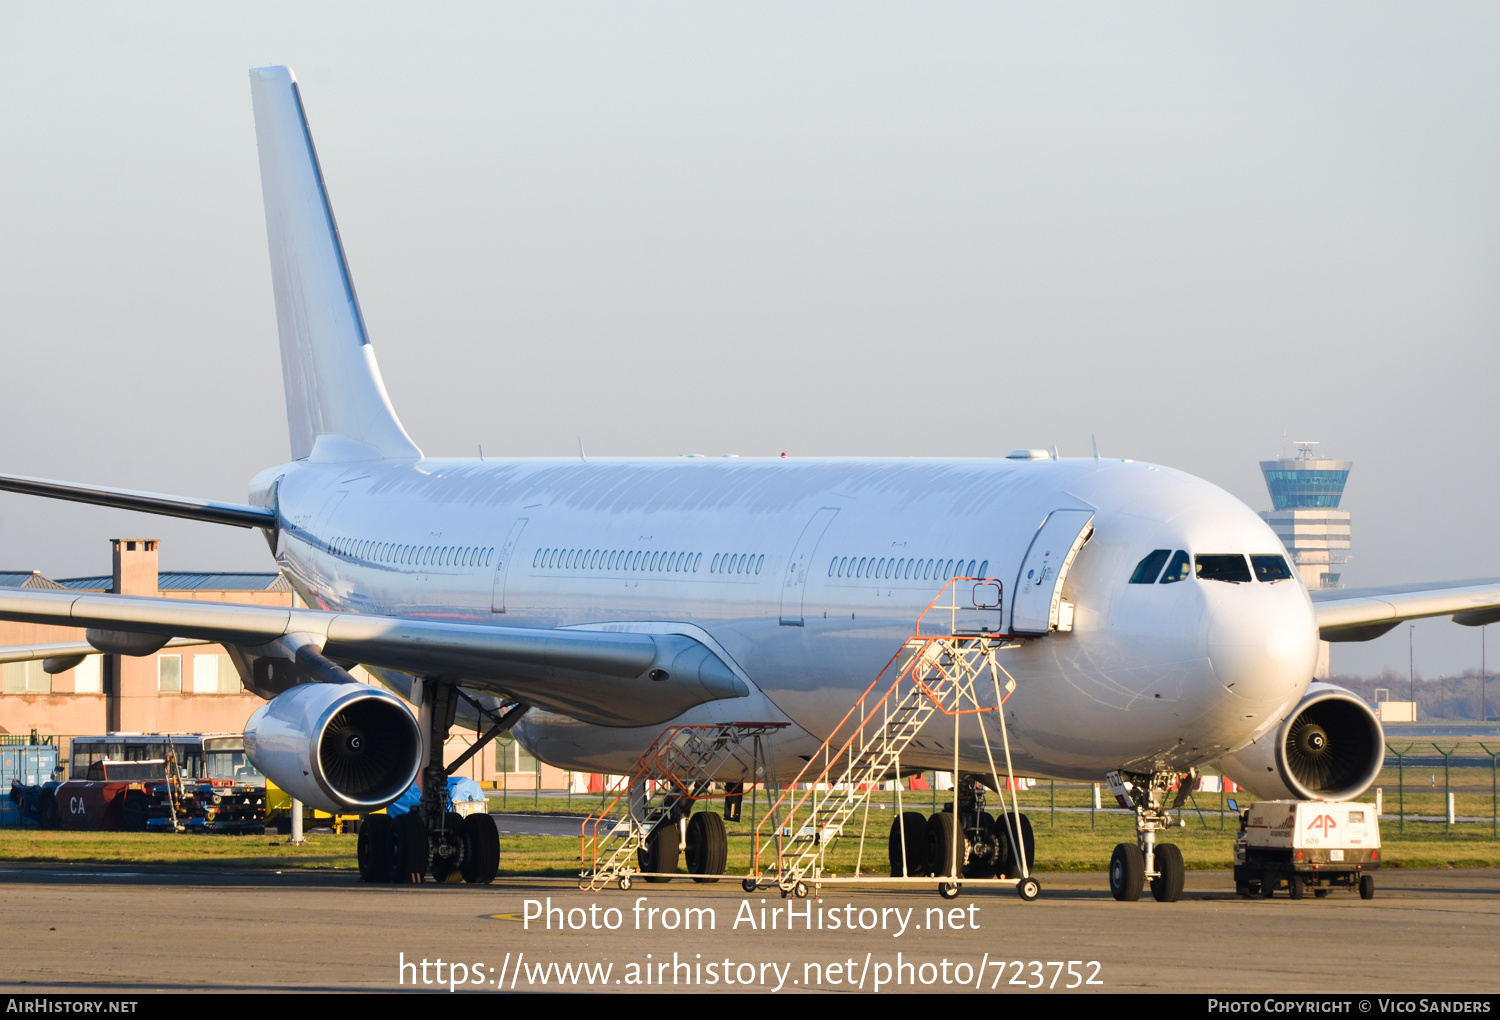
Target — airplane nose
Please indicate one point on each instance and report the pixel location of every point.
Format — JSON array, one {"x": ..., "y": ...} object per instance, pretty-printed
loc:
[{"x": 1262, "y": 640}]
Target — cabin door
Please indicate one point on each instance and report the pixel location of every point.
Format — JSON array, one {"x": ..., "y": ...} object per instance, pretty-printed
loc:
[{"x": 1037, "y": 596}]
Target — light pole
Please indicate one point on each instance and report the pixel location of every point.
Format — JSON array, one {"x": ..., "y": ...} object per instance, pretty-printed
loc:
[{"x": 1411, "y": 670}]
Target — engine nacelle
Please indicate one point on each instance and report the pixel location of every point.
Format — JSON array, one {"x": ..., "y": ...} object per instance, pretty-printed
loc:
[
  {"x": 340, "y": 748},
  {"x": 1331, "y": 747}
]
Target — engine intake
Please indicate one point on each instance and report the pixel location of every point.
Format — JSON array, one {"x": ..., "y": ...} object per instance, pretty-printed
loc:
[
  {"x": 340, "y": 748},
  {"x": 1331, "y": 747}
]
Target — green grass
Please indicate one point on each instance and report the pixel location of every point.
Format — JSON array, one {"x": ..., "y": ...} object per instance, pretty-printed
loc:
[{"x": 1065, "y": 842}]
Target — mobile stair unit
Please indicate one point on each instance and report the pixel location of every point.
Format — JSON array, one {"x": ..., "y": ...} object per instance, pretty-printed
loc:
[
  {"x": 947, "y": 669},
  {"x": 639, "y": 833}
]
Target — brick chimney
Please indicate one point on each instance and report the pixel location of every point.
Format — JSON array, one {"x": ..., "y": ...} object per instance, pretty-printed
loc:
[
  {"x": 131, "y": 686},
  {"x": 135, "y": 566}
]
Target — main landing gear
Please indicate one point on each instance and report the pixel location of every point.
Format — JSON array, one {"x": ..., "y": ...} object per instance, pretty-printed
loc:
[
  {"x": 1132, "y": 865},
  {"x": 430, "y": 839},
  {"x": 921, "y": 846}
]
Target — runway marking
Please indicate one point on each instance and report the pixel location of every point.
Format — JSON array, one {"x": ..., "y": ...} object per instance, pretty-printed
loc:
[{"x": 506, "y": 917}]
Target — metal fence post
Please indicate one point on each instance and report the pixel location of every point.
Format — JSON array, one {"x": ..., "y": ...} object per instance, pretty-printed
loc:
[
  {"x": 1447, "y": 786},
  {"x": 1052, "y": 783},
  {"x": 536, "y": 801},
  {"x": 1494, "y": 789},
  {"x": 1400, "y": 784}
]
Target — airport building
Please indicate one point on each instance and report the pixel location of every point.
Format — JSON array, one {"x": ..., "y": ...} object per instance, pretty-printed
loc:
[
  {"x": 182, "y": 688},
  {"x": 1305, "y": 514}
]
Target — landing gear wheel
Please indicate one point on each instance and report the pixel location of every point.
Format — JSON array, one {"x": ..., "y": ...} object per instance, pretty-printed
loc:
[
  {"x": 944, "y": 842},
  {"x": 448, "y": 869},
  {"x": 1166, "y": 887},
  {"x": 1011, "y": 865},
  {"x": 481, "y": 849},
  {"x": 1367, "y": 887},
  {"x": 707, "y": 848},
  {"x": 1268, "y": 883},
  {"x": 982, "y": 865},
  {"x": 660, "y": 852},
  {"x": 949, "y": 890},
  {"x": 409, "y": 849},
  {"x": 1127, "y": 872},
  {"x": 373, "y": 849},
  {"x": 908, "y": 857},
  {"x": 1028, "y": 889},
  {"x": 1295, "y": 888},
  {"x": 748, "y": 885}
]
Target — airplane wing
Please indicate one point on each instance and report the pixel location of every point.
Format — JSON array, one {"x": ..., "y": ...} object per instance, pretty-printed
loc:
[
  {"x": 612, "y": 679},
  {"x": 1360, "y": 614},
  {"x": 236, "y": 514}
]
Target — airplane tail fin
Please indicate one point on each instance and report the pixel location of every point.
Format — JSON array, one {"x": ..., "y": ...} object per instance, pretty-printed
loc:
[{"x": 333, "y": 385}]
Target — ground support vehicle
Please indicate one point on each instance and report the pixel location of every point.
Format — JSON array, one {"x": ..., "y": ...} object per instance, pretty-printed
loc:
[
  {"x": 138, "y": 796},
  {"x": 1306, "y": 846}
]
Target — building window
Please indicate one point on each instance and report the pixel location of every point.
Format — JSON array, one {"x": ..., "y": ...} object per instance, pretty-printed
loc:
[
  {"x": 215, "y": 674},
  {"x": 88, "y": 676},
  {"x": 511, "y": 757},
  {"x": 169, "y": 673},
  {"x": 26, "y": 678}
]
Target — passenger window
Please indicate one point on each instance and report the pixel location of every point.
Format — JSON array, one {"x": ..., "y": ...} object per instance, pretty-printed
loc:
[
  {"x": 1178, "y": 570},
  {"x": 761, "y": 560},
  {"x": 1149, "y": 569},
  {"x": 1270, "y": 568},
  {"x": 984, "y": 568},
  {"x": 971, "y": 568},
  {"x": 1229, "y": 567},
  {"x": 697, "y": 560}
]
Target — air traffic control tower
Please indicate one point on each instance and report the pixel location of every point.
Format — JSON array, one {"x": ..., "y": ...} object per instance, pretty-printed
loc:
[{"x": 1305, "y": 514}]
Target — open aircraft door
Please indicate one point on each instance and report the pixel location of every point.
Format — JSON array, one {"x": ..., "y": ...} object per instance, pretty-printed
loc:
[{"x": 1037, "y": 598}]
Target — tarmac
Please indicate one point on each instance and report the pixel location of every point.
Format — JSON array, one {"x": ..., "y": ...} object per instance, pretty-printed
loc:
[{"x": 95, "y": 931}]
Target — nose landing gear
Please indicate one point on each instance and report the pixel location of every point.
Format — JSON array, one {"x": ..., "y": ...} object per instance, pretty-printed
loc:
[{"x": 1131, "y": 866}]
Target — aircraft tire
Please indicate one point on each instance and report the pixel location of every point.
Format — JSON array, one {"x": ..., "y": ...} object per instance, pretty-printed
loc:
[
  {"x": 984, "y": 867},
  {"x": 409, "y": 849},
  {"x": 914, "y": 851},
  {"x": 449, "y": 870},
  {"x": 707, "y": 849},
  {"x": 660, "y": 852},
  {"x": 1009, "y": 864},
  {"x": 1127, "y": 872},
  {"x": 1166, "y": 887},
  {"x": 372, "y": 849},
  {"x": 942, "y": 834},
  {"x": 481, "y": 849}
]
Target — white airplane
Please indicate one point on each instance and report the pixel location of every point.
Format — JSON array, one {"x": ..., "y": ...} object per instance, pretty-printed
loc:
[{"x": 1159, "y": 628}]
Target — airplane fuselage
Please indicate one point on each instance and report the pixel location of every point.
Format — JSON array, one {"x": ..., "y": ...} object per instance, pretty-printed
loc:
[{"x": 807, "y": 575}]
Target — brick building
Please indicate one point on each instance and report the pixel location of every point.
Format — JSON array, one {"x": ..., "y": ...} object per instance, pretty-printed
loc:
[{"x": 182, "y": 688}]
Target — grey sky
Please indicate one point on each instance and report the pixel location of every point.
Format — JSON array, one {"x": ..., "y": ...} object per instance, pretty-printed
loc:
[{"x": 849, "y": 229}]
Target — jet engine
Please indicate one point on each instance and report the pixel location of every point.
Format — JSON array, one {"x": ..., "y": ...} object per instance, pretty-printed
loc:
[
  {"x": 340, "y": 748},
  {"x": 1331, "y": 747}
]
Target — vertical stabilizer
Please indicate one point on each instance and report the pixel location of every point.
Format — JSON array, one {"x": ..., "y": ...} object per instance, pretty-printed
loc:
[{"x": 333, "y": 386}]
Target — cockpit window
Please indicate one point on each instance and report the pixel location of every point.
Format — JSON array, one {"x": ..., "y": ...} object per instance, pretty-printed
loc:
[
  {"x": 1270, "y": 568},
  {"x": 1180, "y": 569},
  {"x": 1147, "y": 570},
  {"x": 1229, "y": 567}
]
